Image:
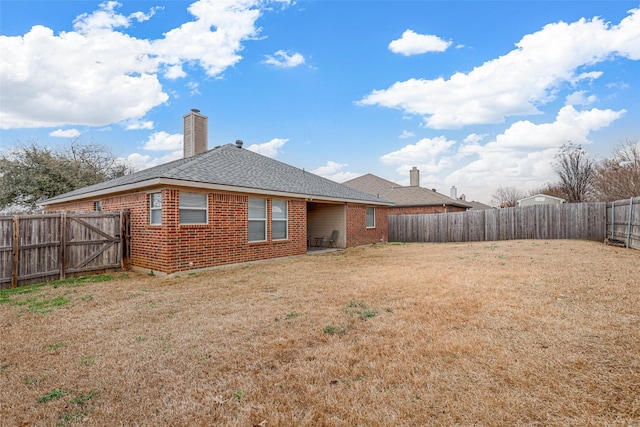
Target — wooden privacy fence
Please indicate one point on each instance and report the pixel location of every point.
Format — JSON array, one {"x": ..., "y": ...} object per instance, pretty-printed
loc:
[
  {"x": 566, "y": 221},
  {"x": 623, "y": 222},
  {"x": 39, "y": 248}
]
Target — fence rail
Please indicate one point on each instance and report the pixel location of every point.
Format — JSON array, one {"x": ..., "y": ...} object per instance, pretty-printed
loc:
[
  {"x": 38, "y": 248},
  {"x": 623, "y": 222},
  {"x": 566, "y": 221}
]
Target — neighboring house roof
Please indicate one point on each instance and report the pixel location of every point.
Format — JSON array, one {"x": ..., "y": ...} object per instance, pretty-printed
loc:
[
  {"x": 402, "y": 196},
  {"x": 228, "y": 168},
  {"x": 540, "y": 198},
  {"x": 478, "y": 206}
]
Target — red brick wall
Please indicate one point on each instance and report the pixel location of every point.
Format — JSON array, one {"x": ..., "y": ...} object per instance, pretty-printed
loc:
[
  {"x": 357, "y": 232},
  {"x": 171, "y": 247},
  {"x": 417, "y": 210}
]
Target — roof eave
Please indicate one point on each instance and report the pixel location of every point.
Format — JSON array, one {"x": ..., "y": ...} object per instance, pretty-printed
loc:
[{"x": 155, "y": 182}]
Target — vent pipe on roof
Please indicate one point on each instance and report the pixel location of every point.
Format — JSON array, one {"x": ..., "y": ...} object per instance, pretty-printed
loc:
[
  {"x": 195, "y": 137},
  {"x": 414, "y": 177},
  {"x": 454, "y": 192},
  {"x": 239, "y": 143}
]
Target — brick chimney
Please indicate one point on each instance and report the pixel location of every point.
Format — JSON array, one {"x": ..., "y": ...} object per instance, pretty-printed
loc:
[
  {"x": 414, "y": 177},
  {"x": 195, "y": 133}
]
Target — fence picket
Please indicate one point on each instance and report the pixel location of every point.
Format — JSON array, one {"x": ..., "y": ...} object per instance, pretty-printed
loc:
[{"x": 37, "y": 248}]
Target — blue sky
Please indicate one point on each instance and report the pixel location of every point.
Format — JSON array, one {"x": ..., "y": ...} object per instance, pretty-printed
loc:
[{"x": 476, "y": 94}]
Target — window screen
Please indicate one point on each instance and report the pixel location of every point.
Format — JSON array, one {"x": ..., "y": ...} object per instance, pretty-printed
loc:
[{"x": 193, "y": 208}]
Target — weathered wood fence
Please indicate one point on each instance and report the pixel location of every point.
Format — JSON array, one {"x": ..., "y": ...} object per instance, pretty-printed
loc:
[
  {"x": 566, "y": 221},
  {"x": 39, "y": 248},
  {"x": 623, "y": 222}
]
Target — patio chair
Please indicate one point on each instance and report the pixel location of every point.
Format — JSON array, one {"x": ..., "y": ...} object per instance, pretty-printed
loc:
[{"x": 332, "y": 239}]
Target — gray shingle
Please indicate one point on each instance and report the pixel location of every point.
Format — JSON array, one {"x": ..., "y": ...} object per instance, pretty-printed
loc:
[
  {"x": 400, "y": 195},
  {"x": 233, "y": 166}
]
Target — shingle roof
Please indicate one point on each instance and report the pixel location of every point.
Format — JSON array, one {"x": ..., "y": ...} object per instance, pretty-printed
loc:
[
  {"x": 402, "y": 196},
  {"x": 229, "y": 165}
]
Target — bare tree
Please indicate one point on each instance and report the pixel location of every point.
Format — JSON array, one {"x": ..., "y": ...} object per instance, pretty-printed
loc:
[
  {"x": 576, "y": 172},
  {"x": 619, "y": 177},
  {"x": 32, "y": 172},
  {"x": 550, "y": 190},
  {"x": 506, "y": 197}
]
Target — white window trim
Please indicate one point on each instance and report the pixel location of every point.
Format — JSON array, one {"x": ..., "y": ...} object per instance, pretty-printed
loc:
[
  {"x": 151, "y": 209},
  {"x": 192, "y": 208},
  {"x": 264, "y": 220},
  {"x": 285, "y": 219},
  {"x": 374, "y": 217}
]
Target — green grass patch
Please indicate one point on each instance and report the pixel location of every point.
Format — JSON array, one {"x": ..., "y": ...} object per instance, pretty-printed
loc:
[
  {"x": 87, "y": 361},
  {"x": 361, "y": 310},
  {"x": 52, "y": 395},
  {"x": 55, "y": 346},
  {"x": 37, "y": 301}
]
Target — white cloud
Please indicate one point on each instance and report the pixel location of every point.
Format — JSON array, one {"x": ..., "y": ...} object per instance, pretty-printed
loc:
[
  {"x": 97, "y": 75},
  {"x": 518, "y": 82},
  {"x": 138, "y": 124},
  {"x": 163, "y": 141},
  {"x": 579, "y": 98},
  {"x": 66, "y": 133},
  {"x": 334, "y": 172},
  {"x": 270, "y": 148},
  {"x": 406, "y": 134},
  {"x": 193, "y": 88},
  {"x": 522, "y": 156},
  {"x": 474, "y": 138},
  {"x": 412, "y": 43},
  {"x": 422, "y": 151},
  {"x": 145, "y": 161},
  {"x": 282, "y": 59}
]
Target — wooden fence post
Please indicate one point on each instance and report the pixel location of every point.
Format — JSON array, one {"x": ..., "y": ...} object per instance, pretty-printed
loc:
[
  {"x": 15, "y": 250},
  {"x": 63, "y": 245},
  {"x": 630, "y": 219}
]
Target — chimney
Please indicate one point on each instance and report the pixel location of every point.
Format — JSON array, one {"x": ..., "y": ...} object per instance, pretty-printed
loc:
[
  {"x": 195, "y": 133},
  {"x": 454, "y": 192},
  {"x": 414, "y": 177}
]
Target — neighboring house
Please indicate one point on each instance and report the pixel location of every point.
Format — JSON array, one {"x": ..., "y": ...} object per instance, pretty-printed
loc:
[
  {"x": 475, "y": 206},
  {"x": 407, "y": 200},
  {"x": 540, "y": 199},
  {"x": 228, "y": 205}
]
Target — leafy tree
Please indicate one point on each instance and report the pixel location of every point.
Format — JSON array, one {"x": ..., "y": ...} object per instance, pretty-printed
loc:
[
  {"x": 576, "y": 172},
  {"x": 32, "y": 173},
  {"x": 506, "y": 197},
  {"x": 619, "y": 177}
]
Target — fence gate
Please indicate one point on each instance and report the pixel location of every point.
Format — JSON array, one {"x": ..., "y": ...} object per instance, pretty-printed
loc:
[{"x": 37, "y": 248}]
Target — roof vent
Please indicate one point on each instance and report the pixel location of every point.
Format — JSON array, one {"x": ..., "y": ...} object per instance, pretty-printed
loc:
[{"x": 239, "y": 143}]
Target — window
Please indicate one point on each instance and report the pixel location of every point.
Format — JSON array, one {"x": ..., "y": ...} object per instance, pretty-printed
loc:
[
  {"x": 99, "y": 206},
  {"x": 257, "y": 220},
  {"x": 371, "y": 217},
  {"x": 155, "y": 208},
  {"x": 279, "y": 220},
  {"x": 193, "y": 208}
]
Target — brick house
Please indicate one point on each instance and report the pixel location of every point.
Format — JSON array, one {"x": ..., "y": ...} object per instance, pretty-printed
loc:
[
  {"x": 408, "y": 200},
  {"x": 228, "y": 205}
]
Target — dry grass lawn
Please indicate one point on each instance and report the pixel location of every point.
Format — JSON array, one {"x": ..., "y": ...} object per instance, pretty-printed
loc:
[{"x": 492, "y": 333}]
